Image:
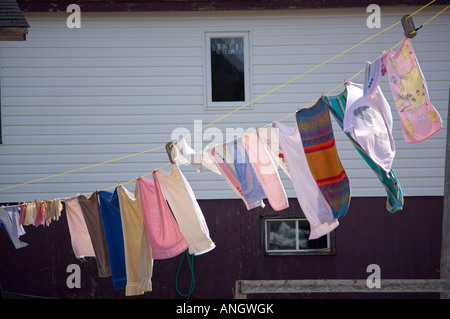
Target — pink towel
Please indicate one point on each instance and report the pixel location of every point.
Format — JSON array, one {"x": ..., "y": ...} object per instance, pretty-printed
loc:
[
  {"x": 23, "y": 213},
  {"x": 81, "y": 241},
  {"x": 163, "y": 233},
  {"x": 266, "y": 171},
  {"x": 418, "y": 117},
  {"x": 39, "y": 220}
]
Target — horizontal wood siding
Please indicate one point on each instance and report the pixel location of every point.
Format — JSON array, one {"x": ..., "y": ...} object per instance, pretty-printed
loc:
[{"x": 125, "y": 81}]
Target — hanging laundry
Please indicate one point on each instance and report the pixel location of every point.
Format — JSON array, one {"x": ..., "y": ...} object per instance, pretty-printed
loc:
[
  {"x": 233, "y": 162},
  {"x": 9, "y": 218},
  {"x": 266, "y": 171},
  {"x": 372, "y": 76},
  {"x": 81, "y": 241},
  {"x": 138, "y": 256},
  {"x": 164, "y": 235},
  {"x": 368, "y": 119},
  {"x": 418, "y": 117},
  {"x": 270, "y": 138},
  {"x": 183, "y": 154},
  {"x": 47, "y": 217},
  {"x": 90, "y": 208},
  {"x": 318, "y": 141},
  {"x": 34, "y": 209},
  {"x": 27, "y": 215},
  {"x": 56, "y": 207},
  {"x": 230, "y": 177},
  {"x": 112, "y": 227},
  {"x": 40, "y": 216},
  {"x": 337, "y": 106},
  {"x": 314, "y": 205},
  {"x": 245, "y": 172},
  {"x": 23, "y": 213},
  {"x": 185, "y": 209}
]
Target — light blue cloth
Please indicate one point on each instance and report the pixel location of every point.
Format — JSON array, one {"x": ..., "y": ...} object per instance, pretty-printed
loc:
[
  {"x": 9, "y": 218},
  {"x": 236, "y": 158},
  {"x": 246, "y": 174}
]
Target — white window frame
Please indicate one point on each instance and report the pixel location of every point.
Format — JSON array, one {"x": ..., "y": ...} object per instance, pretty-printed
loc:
[
  {"x": 297, "y": 250},
  {"x": 246, "y": 35}
]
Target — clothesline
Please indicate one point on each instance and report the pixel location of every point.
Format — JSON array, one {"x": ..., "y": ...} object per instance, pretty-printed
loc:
[
  {"x": 308, "y": 150},
  {"x": 280, "y": 120},
  {"x": 301, "y": 75},
  {"x": 235, "y": 110},
  {"x": 162, "y": 218}
]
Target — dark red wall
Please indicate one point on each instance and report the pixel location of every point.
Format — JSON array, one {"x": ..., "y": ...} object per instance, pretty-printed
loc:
[
  {"x": 202, "y": 5},
  {"x": 406, "y": 245}
]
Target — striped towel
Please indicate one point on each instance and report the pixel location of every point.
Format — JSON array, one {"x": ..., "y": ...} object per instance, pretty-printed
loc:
[{"x": 314, "y": 125}]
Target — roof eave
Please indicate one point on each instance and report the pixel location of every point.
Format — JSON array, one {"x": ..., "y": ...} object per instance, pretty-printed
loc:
[{"x": 13, "y": 33}]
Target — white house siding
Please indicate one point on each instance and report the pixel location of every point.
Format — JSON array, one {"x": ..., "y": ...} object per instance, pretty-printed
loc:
[{"x": 123, "y": 82}]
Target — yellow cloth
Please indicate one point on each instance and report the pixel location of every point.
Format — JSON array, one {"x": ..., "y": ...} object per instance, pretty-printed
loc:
[{"x": 138, "y": 256}]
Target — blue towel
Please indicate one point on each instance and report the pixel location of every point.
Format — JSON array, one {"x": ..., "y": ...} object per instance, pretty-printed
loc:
[{"x": 112, "y": 226}]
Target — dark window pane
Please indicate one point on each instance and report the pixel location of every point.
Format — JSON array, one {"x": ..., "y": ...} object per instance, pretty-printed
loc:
[
  {"x": 303, "y": 235},
  {"x": 227, "y": 69},
  {"x": 281, "y": 235}
]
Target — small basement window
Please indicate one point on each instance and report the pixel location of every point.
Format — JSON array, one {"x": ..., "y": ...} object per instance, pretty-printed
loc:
[
  {"x": 227, "y": 78},
  {"x": 290, "y": 236}
]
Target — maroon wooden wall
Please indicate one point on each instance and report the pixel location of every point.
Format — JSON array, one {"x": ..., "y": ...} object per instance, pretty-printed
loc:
[
  {"x": 406, "y": 245},
  {"x": 202, "y": 5}
]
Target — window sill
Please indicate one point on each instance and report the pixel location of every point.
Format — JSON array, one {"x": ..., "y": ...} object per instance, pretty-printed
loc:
[{"x": 318, "y": 252}]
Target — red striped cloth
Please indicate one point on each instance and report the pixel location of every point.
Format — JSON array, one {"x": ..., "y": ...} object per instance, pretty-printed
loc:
[{"x": 316, "y": 131}]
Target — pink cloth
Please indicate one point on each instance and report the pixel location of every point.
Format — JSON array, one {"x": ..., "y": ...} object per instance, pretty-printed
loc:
[
  {"x": 23, "y": 213},
  {"x": 228, "y": 176},
  {"x": 81, "y": 241},
  {"x": 266, "y": 171},
  {"x": 163, "y": 233},
  {"x": 40, "y": 216},
  {"x": 418, "y": 117}
]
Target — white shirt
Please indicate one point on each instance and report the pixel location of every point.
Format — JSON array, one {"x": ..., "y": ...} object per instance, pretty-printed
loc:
[
  {"x": 369, "y": 121},
  {"x": 314, "y": 205}
]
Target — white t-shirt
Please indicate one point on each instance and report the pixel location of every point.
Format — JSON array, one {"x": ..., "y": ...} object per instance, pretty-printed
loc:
[
  {"x": 186, "y": 210},
  {"x": 369, "y": 121},
  {"x": 313, "y": 203}
]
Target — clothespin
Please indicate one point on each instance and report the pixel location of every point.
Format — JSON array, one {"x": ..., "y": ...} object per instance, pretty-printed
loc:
[
  {"x": 408, "y": 26},
  {"x": 169, "y": 147}
]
